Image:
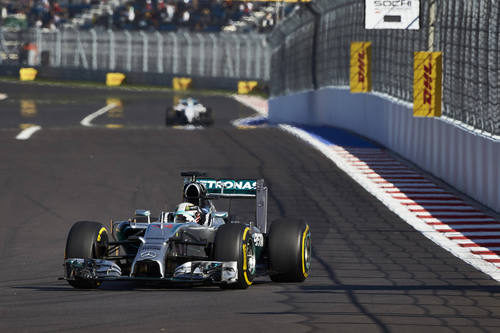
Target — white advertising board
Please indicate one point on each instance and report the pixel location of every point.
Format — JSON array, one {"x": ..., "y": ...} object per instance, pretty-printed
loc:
[{"x": 392, "y": 14}]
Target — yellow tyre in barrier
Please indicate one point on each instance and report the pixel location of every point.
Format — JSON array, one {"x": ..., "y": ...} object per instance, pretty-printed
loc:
[
  {"x": 246, "y": 87},
  {"x": 114, "y": 79},
  {"x": 27, "y": 74},
  {"x": 181, "y": 83}
]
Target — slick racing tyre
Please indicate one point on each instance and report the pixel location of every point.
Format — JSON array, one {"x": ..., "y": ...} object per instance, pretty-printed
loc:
[
  {"x": 206, "y": 118},
  {"x": 88, "y": 240},
  {"x": 172, "y": 118},
  {"x": 233, "y": 242},
  {"x": 289, "y": 250}
]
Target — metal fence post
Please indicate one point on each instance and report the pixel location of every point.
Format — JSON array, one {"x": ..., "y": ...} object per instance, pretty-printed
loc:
[
  {"x": 258, "y": 57},
  {"x": 175, "y": 58},
  {"x": 314, "y": 55},
  {"x": 249, "y": 55},
  {"x": 80, "y": 52},
  {"x": 228, "y": 61},
  {"x": 202, "y": 54},
  {"x": 432, "y": 22},
  {"x": 160, "y": 52},
  {"x": 94, "y": 48},
  {"x": 76, "y": 58},
  {"x": 267, "y": 62},
  {"x": 238, "y": 56},
  {"x": 214, "y": 55},
  {"x": 128, "y": 64},
  {"x": 2, "y": 44},
  {"x": 189, "y": 53},
  {"x": 112, "y": 59},
  {"x": 58, "y": 49},
  {"x": 145, "y": 56},
  {"x": 39, "y": 44}
]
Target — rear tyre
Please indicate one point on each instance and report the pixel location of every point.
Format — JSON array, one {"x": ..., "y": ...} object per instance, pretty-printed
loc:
[
  {"x": 289, "y": 250},
  {"x": 87, "y": 240},
  {"x": 233, "y": 242}
]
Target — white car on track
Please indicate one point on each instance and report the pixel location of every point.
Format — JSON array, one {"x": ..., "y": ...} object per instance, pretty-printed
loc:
[{"x": 189, "y": 111}]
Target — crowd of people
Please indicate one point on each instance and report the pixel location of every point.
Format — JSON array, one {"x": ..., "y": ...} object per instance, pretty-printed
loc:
[
  {"x": 49, "y": 14},
  {"x": 171, "y": 15},
  {"x": 162, "y": 15}
]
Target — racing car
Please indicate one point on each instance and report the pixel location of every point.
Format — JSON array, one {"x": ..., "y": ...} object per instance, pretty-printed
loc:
[
  {"x": 193, "y": 244},
  {"x": 189, "y": 112}
]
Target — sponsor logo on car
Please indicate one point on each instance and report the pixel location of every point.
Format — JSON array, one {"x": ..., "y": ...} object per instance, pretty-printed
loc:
[
  {"x": 229, "y": 184},
  {"x": 148, "y": 254}
]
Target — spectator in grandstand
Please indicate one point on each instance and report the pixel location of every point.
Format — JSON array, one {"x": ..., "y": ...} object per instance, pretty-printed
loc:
[{"x": 170, "y": 15}]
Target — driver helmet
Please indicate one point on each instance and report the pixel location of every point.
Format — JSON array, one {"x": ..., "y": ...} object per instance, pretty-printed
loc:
[{"x": 187, "y": 212}]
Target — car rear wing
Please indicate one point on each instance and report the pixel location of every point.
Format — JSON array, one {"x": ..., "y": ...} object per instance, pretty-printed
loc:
[{"x": 240, "y": 189}]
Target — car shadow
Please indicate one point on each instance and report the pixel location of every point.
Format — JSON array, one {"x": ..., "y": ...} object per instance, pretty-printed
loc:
[{"x": 130, "y": 286}]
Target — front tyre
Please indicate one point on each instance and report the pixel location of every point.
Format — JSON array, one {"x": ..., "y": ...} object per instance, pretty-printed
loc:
[
  {"x": 289, "y": 250},
  {"x": 233, "y": 242},
  {"x": 206, "y": 118},
  {"x": 172, "y": 117},
  {"x": 86, "y": 240}
]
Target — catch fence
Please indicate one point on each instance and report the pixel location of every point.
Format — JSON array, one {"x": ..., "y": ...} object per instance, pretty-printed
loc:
[
  {"x": 311, "y": 50},
  {"x": 222, "y": 55}
]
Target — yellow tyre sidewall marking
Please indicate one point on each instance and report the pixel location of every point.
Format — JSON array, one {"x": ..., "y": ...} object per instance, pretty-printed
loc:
[
  {"x": 306, "y": 274},
  {"x": 100, "y": 233},
  {"x": 245, "y": 257}
]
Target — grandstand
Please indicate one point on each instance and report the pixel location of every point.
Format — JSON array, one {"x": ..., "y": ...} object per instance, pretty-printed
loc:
[{"x": 144, "y": 15}]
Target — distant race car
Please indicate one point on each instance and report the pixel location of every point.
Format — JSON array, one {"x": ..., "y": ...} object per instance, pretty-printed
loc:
[
  {"x": 189, "y": 112},
  {"x": 193, "y": 244}
]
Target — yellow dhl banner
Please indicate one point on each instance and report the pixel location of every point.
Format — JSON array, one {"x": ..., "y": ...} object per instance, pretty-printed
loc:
[
  {"x": 360, "y": 72},
  {"x": 427, "y": 84}
]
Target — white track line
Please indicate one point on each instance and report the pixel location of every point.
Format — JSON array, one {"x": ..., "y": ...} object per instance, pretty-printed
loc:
[
  {"x": 87, "y": 121},
  {"x": 26, "y": 133}
]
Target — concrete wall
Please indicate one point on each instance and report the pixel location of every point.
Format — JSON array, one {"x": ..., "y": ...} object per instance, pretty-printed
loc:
[{"x": 464, "y": 159}]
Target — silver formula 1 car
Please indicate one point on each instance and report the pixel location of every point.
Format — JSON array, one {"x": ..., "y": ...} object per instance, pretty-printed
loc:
[
  {"x": 193, "y": 244},
  {"x": 189, "y": 111}
]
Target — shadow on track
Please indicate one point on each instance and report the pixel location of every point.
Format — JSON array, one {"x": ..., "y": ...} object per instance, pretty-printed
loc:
[{"x": 130, "y": 286}]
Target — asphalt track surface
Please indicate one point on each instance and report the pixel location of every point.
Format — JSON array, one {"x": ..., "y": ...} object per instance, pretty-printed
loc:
[{"x": 371, "y": 271}]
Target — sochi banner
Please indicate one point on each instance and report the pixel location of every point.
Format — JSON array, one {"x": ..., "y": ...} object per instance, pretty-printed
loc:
[{"x": 392, "y": 14}]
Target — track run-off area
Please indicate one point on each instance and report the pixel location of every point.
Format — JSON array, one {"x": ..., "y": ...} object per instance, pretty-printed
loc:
[{"x": 371, "y": 270}]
